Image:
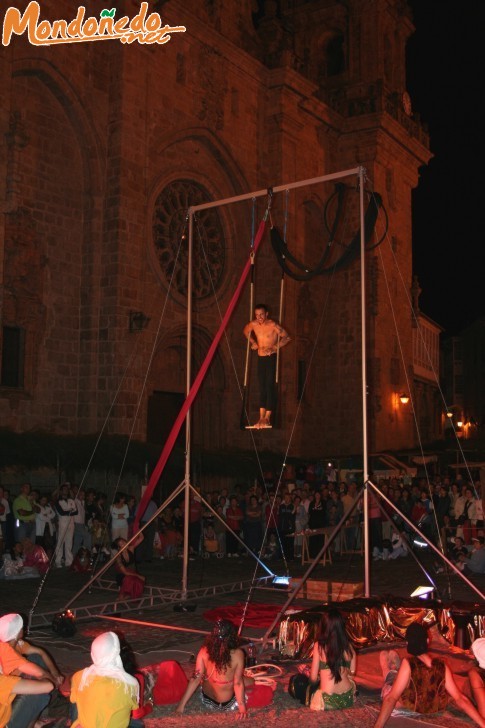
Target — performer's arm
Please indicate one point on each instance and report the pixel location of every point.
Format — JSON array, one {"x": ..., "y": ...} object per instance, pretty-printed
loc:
[
  {"x": 249, "y": 334},
  {"x": 283, "y": 338}
]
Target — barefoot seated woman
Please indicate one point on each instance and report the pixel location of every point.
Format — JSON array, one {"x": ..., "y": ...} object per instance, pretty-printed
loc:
[
  {"x": 219, "y": 672},
  {"x": 334, "y": 662},
  {"x": 131, "y": 583}
]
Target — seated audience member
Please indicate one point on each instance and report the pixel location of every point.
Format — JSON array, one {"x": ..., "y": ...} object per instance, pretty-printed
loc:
[
  {"x": 11, "y": 686},
  {"x": 474, "y": 563},
  {"x": 219, "y": 672},
  {"x": 82, "y": 561},
  {"x": 476, "y": 675},
  {"x": 419, "y": 683},
  {"x": 333, "y": 665},
  {"x": 14, "y": 567},
  {"x": 458, "y": 549},
  {"x": 104, "y": 693},
  {"x": 131, "y": 583},
  {"x": 35, "y": 556},
  {"x": 20, "y": 657}
]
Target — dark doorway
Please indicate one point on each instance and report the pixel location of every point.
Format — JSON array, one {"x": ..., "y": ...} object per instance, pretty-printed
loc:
[{"x": 163, "y": 409}]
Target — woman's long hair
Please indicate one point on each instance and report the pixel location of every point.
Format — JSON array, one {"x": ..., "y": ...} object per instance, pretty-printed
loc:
[
  {"x": 220, "y": 642},
  {"x": 335, "y": 642}
]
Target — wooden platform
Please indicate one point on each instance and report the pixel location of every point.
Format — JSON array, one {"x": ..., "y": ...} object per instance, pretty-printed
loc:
[{"x": 329, "y": 591}]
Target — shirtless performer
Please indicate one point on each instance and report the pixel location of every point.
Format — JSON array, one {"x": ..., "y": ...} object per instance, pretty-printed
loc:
[{"x": 265, "y": 337}]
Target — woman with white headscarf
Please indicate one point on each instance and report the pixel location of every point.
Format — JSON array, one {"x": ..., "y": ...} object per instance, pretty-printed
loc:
[
  {"x": 35, "y": 692},
  {"x": 105, "y": 694}
]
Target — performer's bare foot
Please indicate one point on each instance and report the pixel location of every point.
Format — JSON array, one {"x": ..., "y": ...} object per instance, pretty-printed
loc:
[{"x": 266, "y": 419}]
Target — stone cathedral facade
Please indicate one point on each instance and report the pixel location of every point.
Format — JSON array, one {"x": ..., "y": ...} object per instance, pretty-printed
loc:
[{"x": 104, "y": 146}]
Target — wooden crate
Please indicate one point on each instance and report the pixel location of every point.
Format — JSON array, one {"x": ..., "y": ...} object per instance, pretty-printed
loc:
[
  {"x": 341, "y": 591},
  {"x": 327, "y": 591},
  {"x": 319, "y": 591}
]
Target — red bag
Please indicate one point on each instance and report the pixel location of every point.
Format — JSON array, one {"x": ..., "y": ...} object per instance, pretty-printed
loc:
[
  {"x": 257, "y": 696},
  {"x": 171, "y": 683}
]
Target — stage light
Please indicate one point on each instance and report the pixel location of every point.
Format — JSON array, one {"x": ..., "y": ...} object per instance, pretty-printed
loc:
[
  {"x": 421, "y": 544},
  {"x": 423, "y": 592},
  {"x": 64, "y": 624},
  {"x": 281, "y": 581},
  {"x": 449, "y": 414}
]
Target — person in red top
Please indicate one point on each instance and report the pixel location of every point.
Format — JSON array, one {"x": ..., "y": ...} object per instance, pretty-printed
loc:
[
  {"x": 234, "y": 518},
  {"x": 195, "y": 527}
]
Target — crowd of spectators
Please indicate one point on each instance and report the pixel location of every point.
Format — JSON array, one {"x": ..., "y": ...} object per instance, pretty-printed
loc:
[{"x": 73, "y": 525}]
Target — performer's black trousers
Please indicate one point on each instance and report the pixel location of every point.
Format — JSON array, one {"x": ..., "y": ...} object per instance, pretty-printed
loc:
[{"x": 267, "y": 386}]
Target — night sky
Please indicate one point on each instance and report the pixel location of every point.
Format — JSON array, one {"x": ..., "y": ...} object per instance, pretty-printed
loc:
[{"x": 446, "y": 82}]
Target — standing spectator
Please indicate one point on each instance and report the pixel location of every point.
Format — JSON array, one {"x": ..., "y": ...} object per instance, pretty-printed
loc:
[
  {"x": 442, "y": 505},
  {"x": 375, "y": 527},
  {"x": 144, "y": 552},
  {"x": 195, "y": 524},
  {"x": 25, "y": 515},
  {"x": 119, "y": 513},
  {"x": 82, "y": 536},
  {"x": 253, "y": 531},
  {"x": 45, "y": 524},
  {"x": 470, "y": 513},
  {"x": 10, "y": 522},
  {"x": 220, "y": 532},
  {"x": 90, "y": 506},
  {"x": 316, "y": 520},
  {"x": 286, "y": 526},
  {"x": 65, "y": 508},
  {"x": 101, "y": 513},
  {"x": 4, "y": 511},
  {"x": 234, "y": 517},
  {"x": 301, "y": 521},
  {"x": 131, "y": 503}
]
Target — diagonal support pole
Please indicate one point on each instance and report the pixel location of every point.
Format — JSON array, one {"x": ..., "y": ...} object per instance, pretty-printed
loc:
[
  {"x": 315, "y": 561},
  {"x": 430, "y": 543}
]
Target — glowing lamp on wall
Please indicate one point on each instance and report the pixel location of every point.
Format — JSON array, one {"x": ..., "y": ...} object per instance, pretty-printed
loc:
[{"x": 404, "y": 398}]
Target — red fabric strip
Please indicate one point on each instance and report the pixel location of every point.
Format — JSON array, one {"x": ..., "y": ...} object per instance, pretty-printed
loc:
[{"x": 168, "y": 447}]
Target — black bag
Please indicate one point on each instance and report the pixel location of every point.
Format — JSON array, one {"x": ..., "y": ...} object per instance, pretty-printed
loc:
[{"x": 300, "y": 688}]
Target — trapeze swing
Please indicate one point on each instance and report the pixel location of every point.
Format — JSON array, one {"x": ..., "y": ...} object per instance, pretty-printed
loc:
[{"x": 291, "y": 266}]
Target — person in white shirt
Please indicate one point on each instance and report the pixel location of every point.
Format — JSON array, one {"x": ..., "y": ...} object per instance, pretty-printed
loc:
[
  {"x": 65, "y": 508},
  {"x": 120, "y": 513},
  {"x": 82, "y": 536},
  {"x": 4, "y": 511},
  {"x": 45, "y": 518}
]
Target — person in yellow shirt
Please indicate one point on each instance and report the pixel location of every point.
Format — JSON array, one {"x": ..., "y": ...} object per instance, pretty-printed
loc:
[{"x": 104, "y": 693}]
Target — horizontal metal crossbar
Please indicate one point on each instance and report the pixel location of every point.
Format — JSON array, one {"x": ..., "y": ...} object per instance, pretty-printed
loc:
[{"x": 151, "y": 597}]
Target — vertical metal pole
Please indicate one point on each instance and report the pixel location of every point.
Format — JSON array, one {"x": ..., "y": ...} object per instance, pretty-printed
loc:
[
  {"x": 187, "y": 390},
  {"x": 364, "y": 385}
]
